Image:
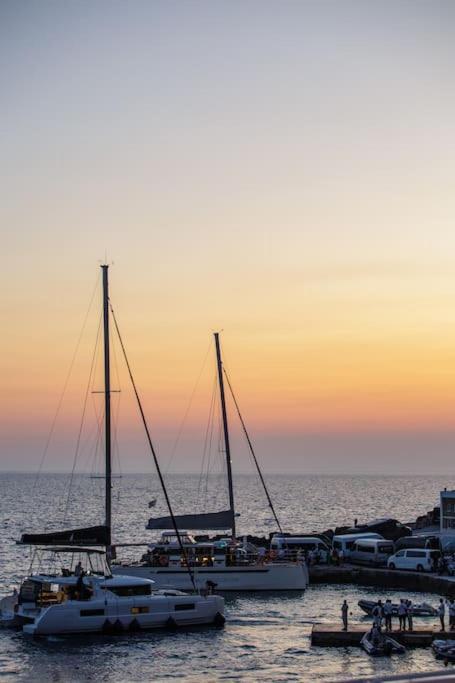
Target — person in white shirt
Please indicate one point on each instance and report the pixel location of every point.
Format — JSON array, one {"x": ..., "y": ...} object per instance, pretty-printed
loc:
[
  {"x": 402, "y": 615},
  {"x": 388, "y": 609},
  {"x": 261, "y": 555}
]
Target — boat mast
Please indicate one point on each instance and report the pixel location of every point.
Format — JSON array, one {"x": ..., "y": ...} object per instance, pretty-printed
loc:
[
  {"x": 107, "y": 401},
  {"x": 225, "y": 428}
]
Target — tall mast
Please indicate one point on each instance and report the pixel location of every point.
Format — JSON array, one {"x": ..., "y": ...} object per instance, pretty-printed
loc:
[
  {"x": 225, "y": 428},
  {"x": 107, "y": 400}
]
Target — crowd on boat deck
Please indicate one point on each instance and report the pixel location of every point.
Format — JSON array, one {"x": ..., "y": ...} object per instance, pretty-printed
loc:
[{"x": 383, "y": 613}]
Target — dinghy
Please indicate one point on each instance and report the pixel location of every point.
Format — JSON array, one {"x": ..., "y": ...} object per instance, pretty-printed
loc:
[
  {"x": 383, "y": 646},
  {"x": 419, "y": 610},
  {"x": 444, "y": 649}
]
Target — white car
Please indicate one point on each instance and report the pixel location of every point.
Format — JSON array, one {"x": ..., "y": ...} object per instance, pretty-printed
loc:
[{"x": 418, "y": 559}]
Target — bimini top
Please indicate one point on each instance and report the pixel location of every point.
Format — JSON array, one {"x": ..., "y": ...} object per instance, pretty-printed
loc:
[{"x": 75, "y": 549}]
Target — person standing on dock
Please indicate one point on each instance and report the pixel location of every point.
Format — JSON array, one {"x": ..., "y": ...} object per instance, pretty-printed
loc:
[
  {"x": 410, "y": 613},
  {"x": 402, "y": 615},
  {"x": 378, "y": 613},
  {"x": 344, "y": 614},
  {"x": 388, "y": 609},
  {"x": 441, "y": 614},
  {"x": 451, "y": 614}
]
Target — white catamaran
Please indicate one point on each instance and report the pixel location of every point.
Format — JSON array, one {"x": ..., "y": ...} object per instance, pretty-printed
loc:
[
  {"x": 70, "y": 587},
  {"x": 228, "y": 563}
]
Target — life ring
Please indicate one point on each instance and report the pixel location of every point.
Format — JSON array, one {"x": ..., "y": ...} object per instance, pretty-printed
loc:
[
  {"x": 273, "y": 554},
  {"x": 163, "y": 561}
]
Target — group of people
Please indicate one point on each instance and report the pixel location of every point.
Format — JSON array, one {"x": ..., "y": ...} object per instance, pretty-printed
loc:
[
  {"x": 384, "y": 611},
  {"x": 442, "y": 613}
]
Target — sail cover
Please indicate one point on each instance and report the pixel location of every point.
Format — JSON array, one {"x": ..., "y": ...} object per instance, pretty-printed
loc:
[
  {"x": 94, "y": 535},
  {"x": 205, "y": 521}
]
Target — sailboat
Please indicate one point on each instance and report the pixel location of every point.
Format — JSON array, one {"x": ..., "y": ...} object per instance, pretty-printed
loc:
[
  {"x": 229, "y": 564},
  {"x": 70, "y": 587}
]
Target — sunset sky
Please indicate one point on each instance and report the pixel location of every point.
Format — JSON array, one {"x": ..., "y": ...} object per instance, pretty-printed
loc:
[{"x": 282, "y": 171}]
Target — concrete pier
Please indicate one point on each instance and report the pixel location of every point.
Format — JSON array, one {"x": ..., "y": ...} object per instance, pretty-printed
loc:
[
  {"x": 332, "y": 635},
  {"x": 384, "y": 578}
]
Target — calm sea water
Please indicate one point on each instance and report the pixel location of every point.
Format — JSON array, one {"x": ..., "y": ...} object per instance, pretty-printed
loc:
[{"x": 266, "y": 636}]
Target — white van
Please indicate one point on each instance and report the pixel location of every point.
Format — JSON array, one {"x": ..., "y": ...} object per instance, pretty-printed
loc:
[
  {"x": 345, "y": 542},
  {"x": 418, "y": 559},
  {"x": 287, "y": 547},
  {"x": 371, "y": 551}
]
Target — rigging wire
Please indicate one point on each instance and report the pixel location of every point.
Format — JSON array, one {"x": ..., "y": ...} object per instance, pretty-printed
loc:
[
  {"x": 65, "y": 386},
  {"x": 207, "y": 438},
  {"x": 250, "y": 446},
  {"x": 188, "y": 408},
  {"x": 81, "y": 426},
  {"x": 152, "y": 449}
]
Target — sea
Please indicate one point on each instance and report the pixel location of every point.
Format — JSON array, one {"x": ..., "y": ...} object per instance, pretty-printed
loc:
[{"x": 266, "y": 636}]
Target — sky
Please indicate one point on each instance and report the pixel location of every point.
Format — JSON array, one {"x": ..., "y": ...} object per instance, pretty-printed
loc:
[{"x": 280, "y": 171}]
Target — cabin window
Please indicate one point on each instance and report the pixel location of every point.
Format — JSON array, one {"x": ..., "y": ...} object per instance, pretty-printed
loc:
[
  {"x": 184, "y": 606},
  {"x": 92, "y": 612},
  {"x": 140, "y": 610},
  {"x": 129, "y": 591}
]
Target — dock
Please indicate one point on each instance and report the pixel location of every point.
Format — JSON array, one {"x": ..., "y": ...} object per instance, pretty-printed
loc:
[{"x": 332, "y": 635}]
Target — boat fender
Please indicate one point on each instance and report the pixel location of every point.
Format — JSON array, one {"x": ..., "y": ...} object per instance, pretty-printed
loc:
[
  {"x": 171, "y": 624},
  {"x": 134, "y": 625},
  {"x": 108, "y": 627},
  {"x": 118, "y": 626},
  {"x": 219, "y": 619}
]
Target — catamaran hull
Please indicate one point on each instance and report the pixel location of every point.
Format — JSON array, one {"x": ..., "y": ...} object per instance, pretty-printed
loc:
[
  {"x": 126, "y": 616},
  {"x": 270, "y": 577}
]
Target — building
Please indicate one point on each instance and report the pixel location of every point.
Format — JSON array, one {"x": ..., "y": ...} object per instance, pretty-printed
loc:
[{"x": 447, "y": 524}]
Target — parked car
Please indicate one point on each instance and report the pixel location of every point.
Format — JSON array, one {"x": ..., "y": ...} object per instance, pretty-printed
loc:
[
  {"x": 417, "y": 559},
  {"x": 288, "y": 546},
  {"x": 345, "y": 542},
  {"x": 371, "y": 551}
]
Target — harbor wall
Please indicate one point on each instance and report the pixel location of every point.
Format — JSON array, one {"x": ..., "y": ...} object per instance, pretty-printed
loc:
[{"x": 383, "y": 578}]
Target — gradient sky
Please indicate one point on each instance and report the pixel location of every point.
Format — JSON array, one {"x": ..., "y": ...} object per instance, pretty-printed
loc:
[{"x": 283, "y": 171}]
